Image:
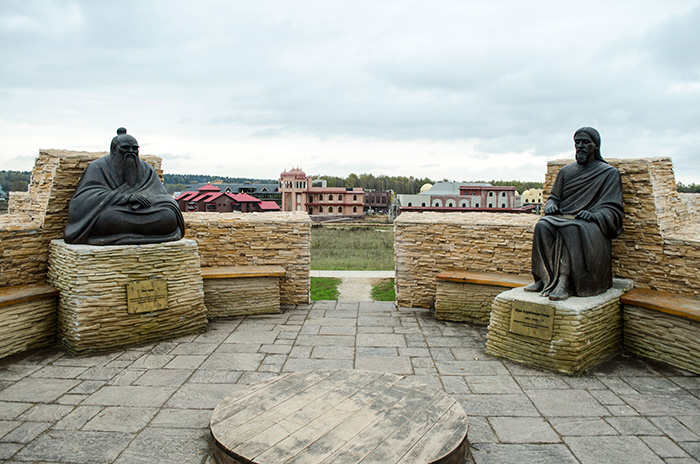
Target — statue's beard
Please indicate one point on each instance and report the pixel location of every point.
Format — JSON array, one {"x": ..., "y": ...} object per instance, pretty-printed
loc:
[
  {"x": 131, "y": 169},
  {"x": 581, "y": 157}
]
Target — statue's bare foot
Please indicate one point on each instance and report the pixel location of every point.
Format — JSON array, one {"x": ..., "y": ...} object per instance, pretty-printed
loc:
[
  {"x": 560, "y": 292},
  {"x": 534, "y": 287}
]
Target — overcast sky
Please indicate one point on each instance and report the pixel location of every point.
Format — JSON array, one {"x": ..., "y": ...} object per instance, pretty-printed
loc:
[{"x": 462, "y": 90}]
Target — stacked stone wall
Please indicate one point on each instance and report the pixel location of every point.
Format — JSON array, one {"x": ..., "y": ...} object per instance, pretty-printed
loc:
[
  {"x": 257, "y": 239},
  {"x": 23, "y": 254},
  {"x": 427, "y": 243}
]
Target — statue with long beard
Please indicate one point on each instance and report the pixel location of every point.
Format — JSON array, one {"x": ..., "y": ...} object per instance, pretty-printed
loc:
[
  {"x": 120, "y": 200},
  {"x": 572, "y": 245}
]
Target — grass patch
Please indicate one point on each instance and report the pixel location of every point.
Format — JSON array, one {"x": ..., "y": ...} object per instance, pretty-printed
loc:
[
  {"x": 324, "y": 288},
  {"x": 352, "y": 248},
  {"x": 384, "y": 290}
]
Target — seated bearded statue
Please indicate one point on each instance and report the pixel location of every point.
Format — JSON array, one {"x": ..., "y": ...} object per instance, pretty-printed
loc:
[{"x": 120, "y": 200}]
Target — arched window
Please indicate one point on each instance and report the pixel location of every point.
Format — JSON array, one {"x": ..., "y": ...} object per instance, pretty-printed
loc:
[
  {"x": 490, "y": 194},
  {"x": 320, "y": 197},
  {"x": 340, "y": 209},
  {"x": 354, "y": 209},
  {"x": 503, "y": 205},
  {"x": 463, "y": 204},
  {"x": 330, "y": 209},
  {"x": 411, "y": 204},
  {"x": 490, "y": 205},
  {"x": 422, "y": 204},
  {"x": 330, "y": 197},
  {"x": 354, "y": 198},
  {"x": 450, "y": 204},
  {"x": 320, "y": 209}
]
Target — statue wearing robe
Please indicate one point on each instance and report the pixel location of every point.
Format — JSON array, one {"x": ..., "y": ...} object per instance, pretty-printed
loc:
[
  {"x": 572, "y": 245},
  {"x": 120, "y": 200}
]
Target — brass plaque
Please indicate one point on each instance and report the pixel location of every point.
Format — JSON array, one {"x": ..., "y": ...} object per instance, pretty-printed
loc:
[
  {"x": 146, "y": 296},
  {"x": 532, "y": 320}
]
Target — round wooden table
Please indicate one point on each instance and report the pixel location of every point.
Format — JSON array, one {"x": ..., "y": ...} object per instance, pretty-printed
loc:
[{"x": 339, "y": 417}]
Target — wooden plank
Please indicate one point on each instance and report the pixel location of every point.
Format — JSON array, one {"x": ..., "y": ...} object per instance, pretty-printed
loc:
[
  {"x": 233, "y": 272},
  {"x": 485, "y": 278},
  {"x": 669, "y": 303},
  {"x": 339, "y": 425},
  {"x": 24, "y": 293}
]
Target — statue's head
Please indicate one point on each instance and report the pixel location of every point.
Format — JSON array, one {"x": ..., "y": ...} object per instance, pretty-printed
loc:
[
  {"x": 123, "y": 145},
  {"x": 124, "y": 152},
  {"x": 587, "y": 144}
]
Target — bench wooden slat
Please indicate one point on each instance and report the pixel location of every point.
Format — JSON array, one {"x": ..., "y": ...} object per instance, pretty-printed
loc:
[
  {"x": 669, "y": 303},
  {"x": 485, "y": 278},
  {"x": 232, "y": 272},
  {"x": 24, "y": 293}
]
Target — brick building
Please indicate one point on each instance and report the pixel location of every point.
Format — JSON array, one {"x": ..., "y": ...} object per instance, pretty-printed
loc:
[
  {"x": 378, "y": 201},
  {"x": 299, "y": 194}
]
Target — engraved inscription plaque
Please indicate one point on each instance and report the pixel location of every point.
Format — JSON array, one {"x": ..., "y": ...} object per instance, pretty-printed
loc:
[
  {"x": 146, "y": 296},
  {"x": 532, "y": 320}
]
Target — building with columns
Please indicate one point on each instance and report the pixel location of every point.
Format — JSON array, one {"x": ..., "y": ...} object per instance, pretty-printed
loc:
[{"x": 299, "y": 194}]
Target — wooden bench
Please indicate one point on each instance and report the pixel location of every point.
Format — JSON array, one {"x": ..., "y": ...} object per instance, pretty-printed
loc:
[
  {"x": 463, "y": 296},
  {"x": 27, "y": 317},
  {"x": 662, "y": 326},
  {"x": 242, "y": 290}
]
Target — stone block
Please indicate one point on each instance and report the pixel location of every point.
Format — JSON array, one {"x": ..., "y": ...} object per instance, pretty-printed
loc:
[
  {"x": 584, "y": 331},
  {"x": 467, "y": 296},
  {"x": 27, "y": 318},
  {"x": 672, "y": 339},
  {"x": 242, "y": 296},
  {"x": 93, "y": 313}
]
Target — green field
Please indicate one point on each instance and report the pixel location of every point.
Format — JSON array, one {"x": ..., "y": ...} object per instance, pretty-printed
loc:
[{"x": 352, "y": 248}]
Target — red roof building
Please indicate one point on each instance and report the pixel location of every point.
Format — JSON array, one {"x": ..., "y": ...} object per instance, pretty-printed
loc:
[{"x": 211, "y": 199}]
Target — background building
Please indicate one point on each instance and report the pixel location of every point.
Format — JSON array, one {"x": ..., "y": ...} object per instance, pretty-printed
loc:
[
  {"x": 378, "y": 201},
  {"x": 321, "y": 203},
  {"x": 457, "y": 196},
  {"x": 533, "y": 196},
  {"x": 264, "y": 192},
  {"x": 211, "y": 198}
]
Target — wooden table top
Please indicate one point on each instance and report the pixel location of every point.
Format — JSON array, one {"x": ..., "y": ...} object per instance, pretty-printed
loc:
[{"x": 339, "y": 417}]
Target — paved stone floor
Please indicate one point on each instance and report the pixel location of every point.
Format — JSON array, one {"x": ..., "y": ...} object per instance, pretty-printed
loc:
[{"x": 152, "y": 404}]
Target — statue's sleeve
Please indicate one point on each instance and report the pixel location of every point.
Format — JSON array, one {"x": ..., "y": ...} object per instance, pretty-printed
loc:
[
  {"x": 556, "y": 194},
  {"x": 609, "y": 210},
  {"x": 94, "y": 193}
]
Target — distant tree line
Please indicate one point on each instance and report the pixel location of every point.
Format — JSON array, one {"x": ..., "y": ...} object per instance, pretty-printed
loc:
[
  {"x": 14, "y": 181},
  {"x": 398, "y": 184},
  {"x": 408, "y": 185},
  {"x": 690, "y": 188}
]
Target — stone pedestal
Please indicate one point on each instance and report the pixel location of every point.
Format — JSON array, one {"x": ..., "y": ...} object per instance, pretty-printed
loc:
[
  {"x": 164, "y": 283},
  {"x": 568, "y": 337}
]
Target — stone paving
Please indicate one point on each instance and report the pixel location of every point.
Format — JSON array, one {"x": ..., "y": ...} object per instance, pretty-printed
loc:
[{"x": 152, "y": 403}]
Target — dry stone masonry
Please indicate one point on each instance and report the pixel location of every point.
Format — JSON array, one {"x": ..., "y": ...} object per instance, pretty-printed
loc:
[
  {"x": 257, "y": 239},
  {"x": 92, "y": 310}
]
